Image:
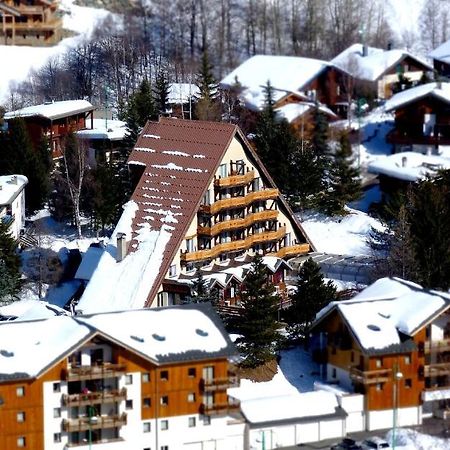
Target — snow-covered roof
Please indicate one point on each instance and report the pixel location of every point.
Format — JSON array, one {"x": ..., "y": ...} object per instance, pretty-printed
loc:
[
  {"x": 182, "y": 92},
  {"x": 388, "y": 307},
  {"x": 290, "y": 407},
  {"x": 89, "y": 263},
  {"x": 440, "y": 91},
  {"x": 375, "y": 64},
  {"x": 52, "y": 111},
  {"x": 409, "y": 166},
  {"x": 285, "y": 73},
  {"x": 113, "y": 130},
  {"x": 161, "y": 335},
  {"x": 30, "y": 310},
  {"x": 441, "y": 53},
  {"x": 10, "y": 187},
  {"x": 292, "y": 111}
]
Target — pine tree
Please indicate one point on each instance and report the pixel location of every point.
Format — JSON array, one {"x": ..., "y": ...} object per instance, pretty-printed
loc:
[
  {"x": 161, "y": 92},
  {"x": 199, "y": 288},
  {"x": 9, "y": 266},
  {"x": 320, "y": 133},
  {"x": 311, "y": 296},
  {"x": 258, "y": 322},
  {"x": 343, "y": 183},
  {"x": 208, "y": 101}
]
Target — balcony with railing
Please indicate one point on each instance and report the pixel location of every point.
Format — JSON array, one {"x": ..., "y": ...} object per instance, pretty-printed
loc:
[
  {"x": 106, "y": 370},
  {"x": 220, "y": 383},
  {"x": 94, "y": 422},
  {"x": 437, "y": 346},
  {"x": 234, "y": 246},
  {"x": 370, "y": 376},
  {"x": 235, "y": 180},
  {"x": 88, "y": 398},
  {"x": 242, "y": 222},
  {"x": 216, "y": 409},
  {"x": 437, "y": 369},
  {"x": 293, "y": 250}
]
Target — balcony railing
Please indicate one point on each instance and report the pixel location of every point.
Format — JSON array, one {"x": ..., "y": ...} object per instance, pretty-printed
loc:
[
  {"x": 48, "y": 25},
  {"x": 106, "y": 370},
  {"x": 219, "y": 384},
  {"x": 233, "y": 246},
  {"x": 240, "y": 201},
  {"x": 89, "y": 398},
  {"x": 244, "y": 222},
  {"x": 293, "y": 250},
  {"x": 94, "y": 422},
  {"x": 437, "y": 346},
  {"x": 437, "y": 369},
  {"x": 370, "y": 376},
  {"x": 103, "y": 440},
  {"x": 235, "y": 180},
  {"x": 215, "y": 409}
]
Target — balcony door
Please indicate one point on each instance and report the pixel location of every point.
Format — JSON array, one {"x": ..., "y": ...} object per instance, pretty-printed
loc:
[{"x": 97, "y": 357}]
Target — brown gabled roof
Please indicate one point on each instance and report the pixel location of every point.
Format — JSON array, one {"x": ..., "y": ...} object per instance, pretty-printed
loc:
[{"x": 180, "y": 158}]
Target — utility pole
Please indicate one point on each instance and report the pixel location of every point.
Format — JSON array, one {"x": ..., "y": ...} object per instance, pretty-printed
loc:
[{"x": 396, "y": 376}]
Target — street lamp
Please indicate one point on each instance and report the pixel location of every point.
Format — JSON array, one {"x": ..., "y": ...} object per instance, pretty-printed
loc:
[{"x": 396, "y": 375}]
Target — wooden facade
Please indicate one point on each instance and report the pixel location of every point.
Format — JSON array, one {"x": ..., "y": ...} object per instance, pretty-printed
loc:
[{"x": 32, "y": 22}]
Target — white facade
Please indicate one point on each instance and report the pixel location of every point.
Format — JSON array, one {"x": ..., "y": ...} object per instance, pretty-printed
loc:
[
  {"x": 377, "y": 420},
  {"x": 12, "y": 202}
]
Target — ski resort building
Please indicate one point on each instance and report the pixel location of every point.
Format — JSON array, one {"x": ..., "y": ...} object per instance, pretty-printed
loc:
[
  {"x": 12, "y": 202},
  {"x": 390, "y": 343},
  {"x": 31, "y": 22},
  {"x": 202, "y": 199},
  {"x": 154, "y": 378}
]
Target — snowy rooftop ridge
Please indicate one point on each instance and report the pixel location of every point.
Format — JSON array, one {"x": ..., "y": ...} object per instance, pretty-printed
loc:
[
  {"x": 52, "y": 111},
  {"x": 10, "y": 187},
  {"x": 441, "y": 53},
  {"x": 386, "y": 308},
  {"x": 409, "y": 166}
]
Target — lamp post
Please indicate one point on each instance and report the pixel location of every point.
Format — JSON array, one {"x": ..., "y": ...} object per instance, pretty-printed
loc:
[{"x": 396, "y": 376}]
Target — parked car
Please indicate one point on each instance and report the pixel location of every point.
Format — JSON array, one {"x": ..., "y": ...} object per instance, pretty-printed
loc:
[
  {"x": 346, "y": 444},
  {"x": 374, "y": 443}
]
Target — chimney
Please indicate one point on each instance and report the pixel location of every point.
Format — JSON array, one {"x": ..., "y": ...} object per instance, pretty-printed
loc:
[
  {"x": 14, "y": 179},
  {"x": 365, "y": 50},
  {"x": 439, "y": 84},
  {"x": 389, "y": 46},
  {"x": 121, "y": 246},
  {"x": 404, "y": 161}
]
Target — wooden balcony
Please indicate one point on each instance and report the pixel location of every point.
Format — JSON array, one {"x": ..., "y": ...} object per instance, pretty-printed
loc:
[
  {"x": 234, "y": 246},
  {"x": 219, "y": 384},
  {"x": 232, "y": 224},
  {"x": 240, "y": 202},
  {"x": 89, "y": 398},
  {"x": 106, "y": 370},
  {"x": 437, "y": 369},
  {"x": 437, "y": 346},
  {"x": 235, "y": 180},
  {"x": 94, "y": 422},
  {"x": 49, "y": 25},
  {"x": 216, "y": 409},
  {"x": 292, "y": 250},
  {"x": 370, "y": 376}
]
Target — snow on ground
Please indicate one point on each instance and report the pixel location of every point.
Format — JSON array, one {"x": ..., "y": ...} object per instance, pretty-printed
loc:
[
  {"x": 407, "y": 439},
  {"x": 345, "y": 235},
  {"x": 22, "y": 59}
]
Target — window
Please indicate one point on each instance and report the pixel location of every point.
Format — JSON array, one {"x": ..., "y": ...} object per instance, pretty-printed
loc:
[
  {"x": 56, "y": 437},
  {"x": 173, "y": 270},
  {"x": 164, "y": 400},
  {"x": 408, "y": 383},
  {"x": 191, "y": 422},
  {"x": 192, "y": 373},
  {"x": 21, "y": 416},
  {"x": 164, "y": 424},
  {"x": 147, "y": 402},
  {"x": 20, "y": 392},
  {"x": 164, "y": 375},
  {"x": 164, "y": 447},
  {"x": 378, "y": 362},
  {"x": 408, "y": 359},
  {"x": 334, "y": 373},
  {"x": 191, "y": 397},
  {"x": 147, "y": 427},
  {"x": 21, "y": 442},
  {"x": 352, "y": 357},
  {"x": 128, "y": 404},
  {"x": 56, "y": 412},
  {"x": 223, "y": 170},
  {"x": 190, "y": 245},
  {"x": 146, "y": 377},
  {"x": 379, "y": 386},
  {"x": 56, "y": 387},
  {"x": 128, "y": 379},
  {"x": 206, "y": 420}
]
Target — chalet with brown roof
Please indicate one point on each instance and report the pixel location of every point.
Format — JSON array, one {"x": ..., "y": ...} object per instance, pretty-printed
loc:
[
  {"x": 390, "y": 343},
  {"x": 202, "y": 199},
  {"x": 31, "y": 22}
]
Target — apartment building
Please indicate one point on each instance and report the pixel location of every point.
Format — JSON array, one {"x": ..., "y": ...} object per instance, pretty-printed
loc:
[
  {"x": 12, "y": 202},
  {"x": 144, "y": 379},
  {"x": 202, "y": 198}
]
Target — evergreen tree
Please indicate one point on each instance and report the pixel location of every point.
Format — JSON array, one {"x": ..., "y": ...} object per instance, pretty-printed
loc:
[
  {"x": 199, "y": 289},
  {"x": 320, "y": 133},
  {"x": 208, "y": 101},
  {"x": 9, "y": 266},
  {"x": 311, "y": 296},
  {"x": 258, "y": 321},
  {"x": 161, "y": 92},
  {"x": 344, "y": 183},
  {"x": 275, "y": 144}
]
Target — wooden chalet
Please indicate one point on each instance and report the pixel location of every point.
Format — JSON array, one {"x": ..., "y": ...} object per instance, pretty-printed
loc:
[
  {"x": 422, "y": 118},
  {"x": 31, "y": 22},
  {"x": 390, "y": 343},
  {"x": 54, "y": 121},
  {"x": 205, "y": 197},
  {"x": 441, "y": 59}
]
